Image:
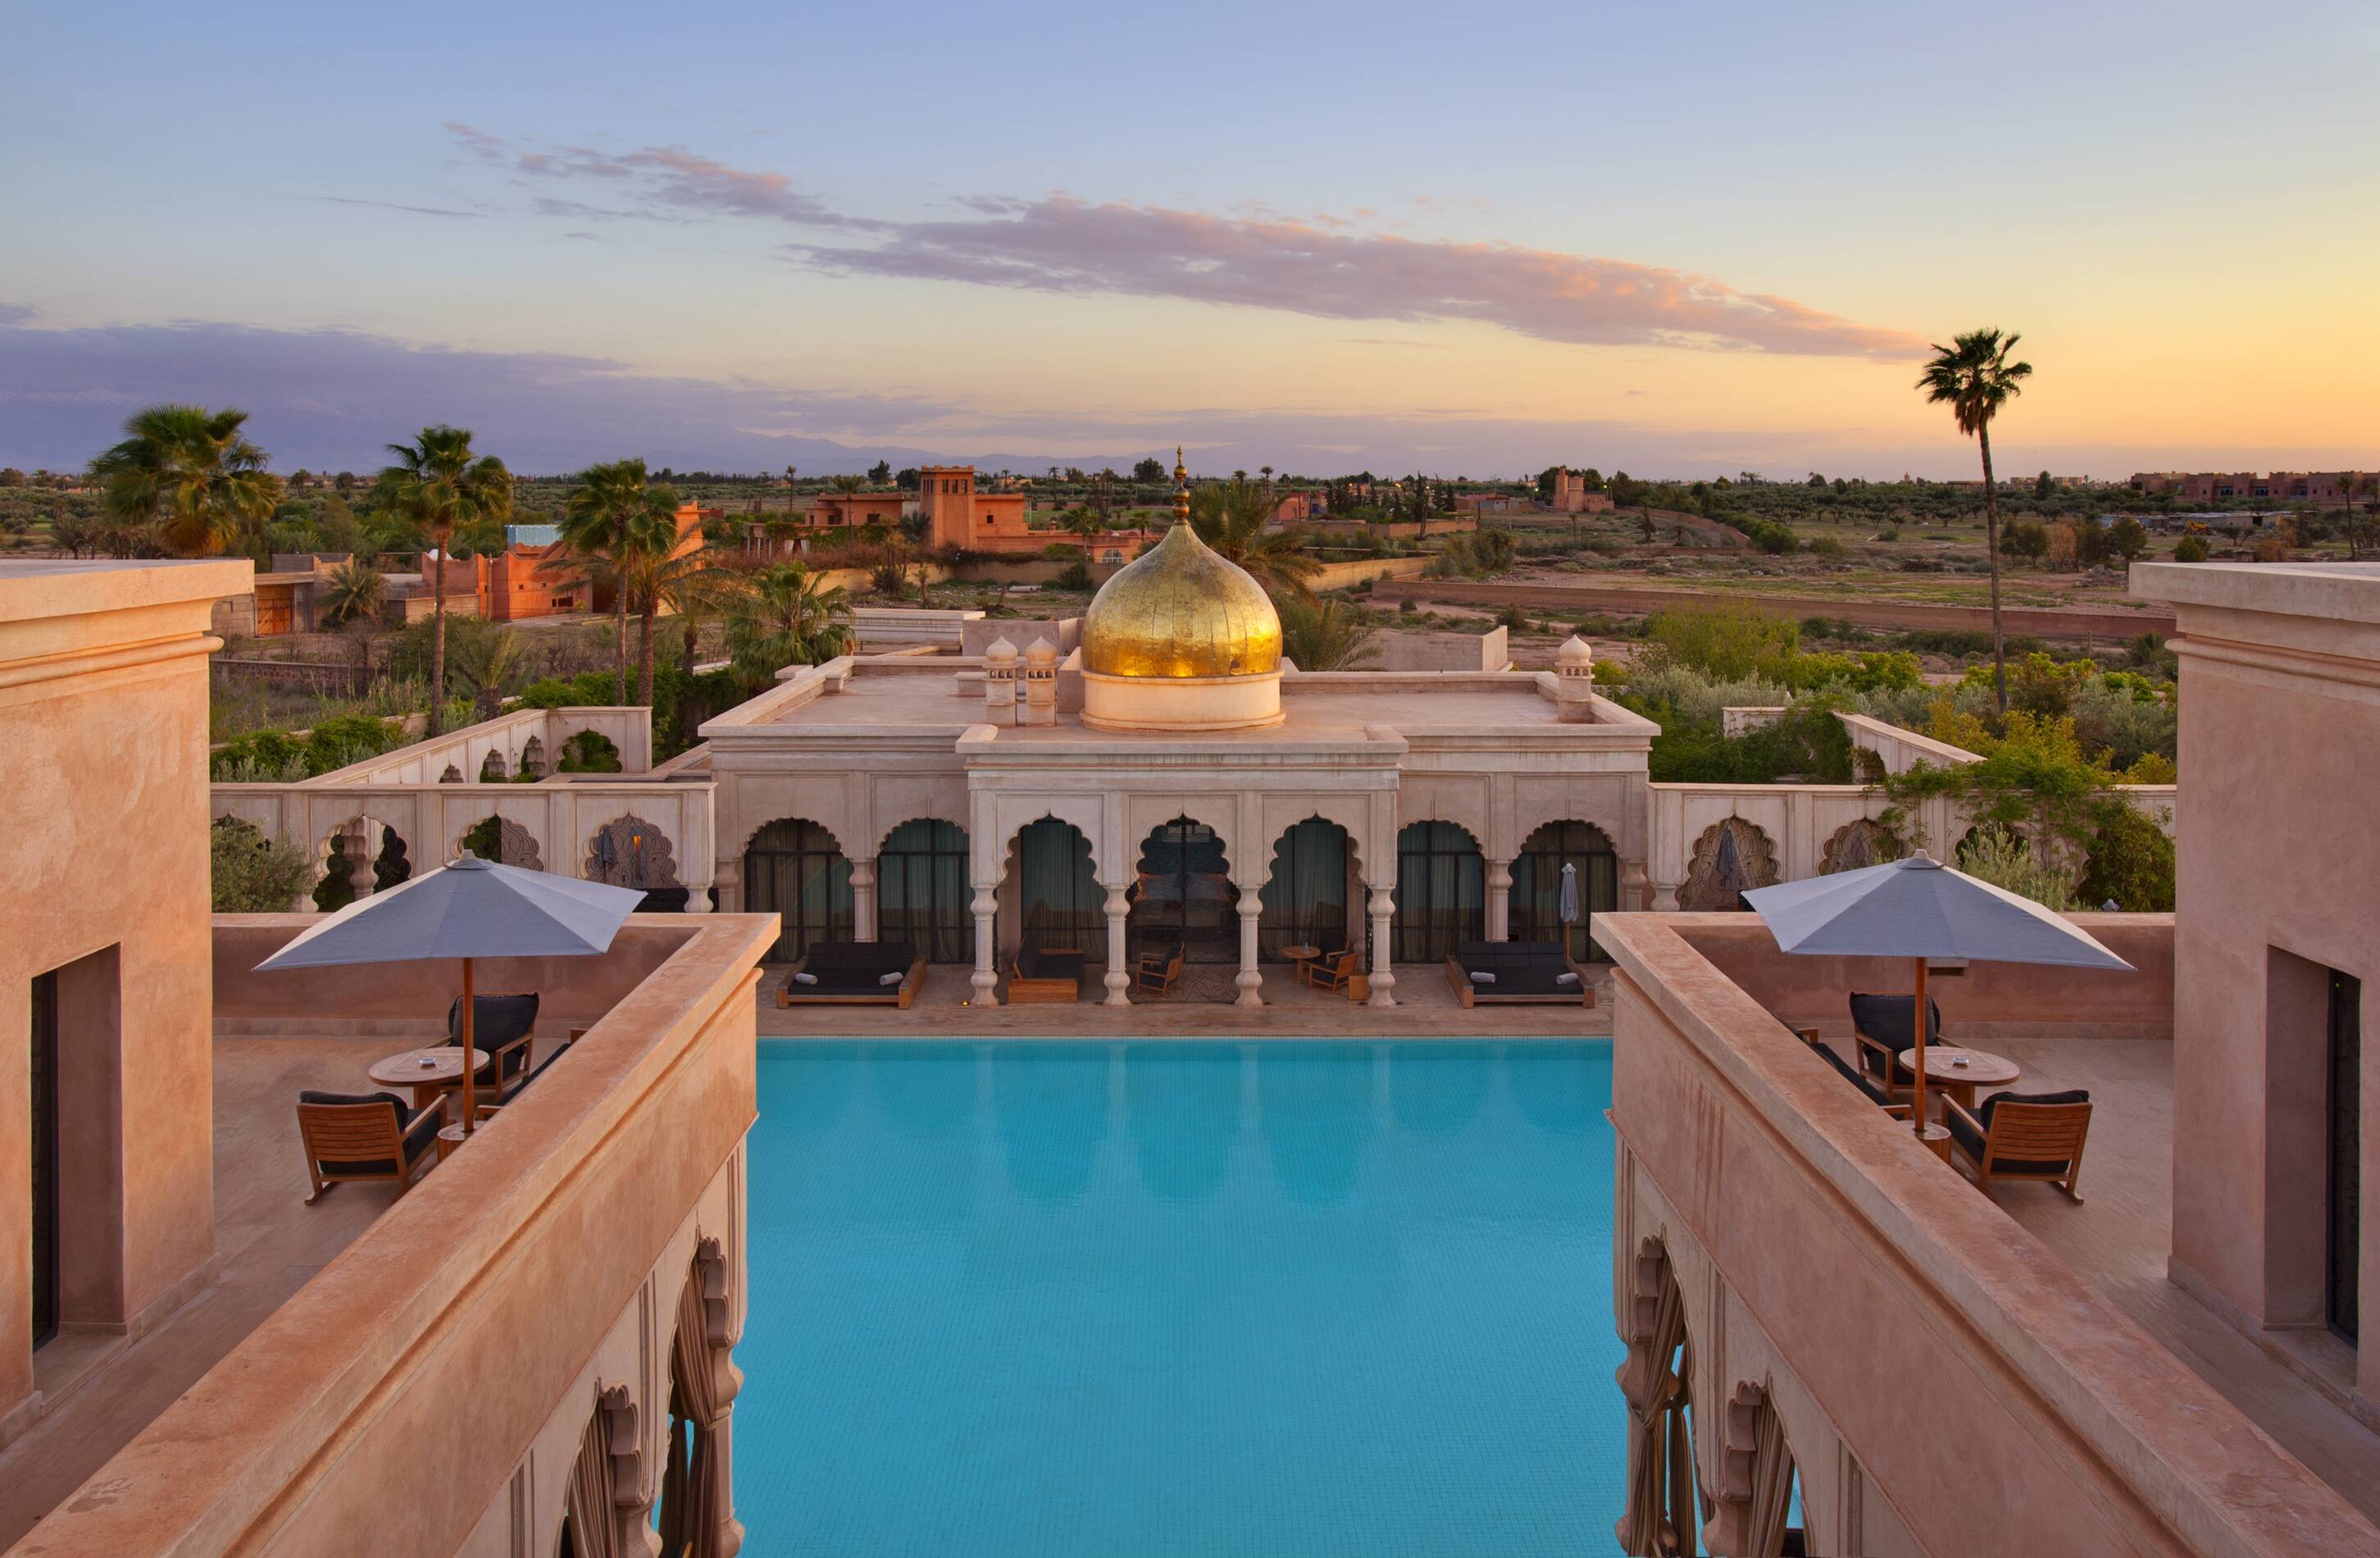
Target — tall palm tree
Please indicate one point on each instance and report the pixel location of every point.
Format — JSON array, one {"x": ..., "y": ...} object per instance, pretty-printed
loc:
[
  {"x": 792, "y": 617},
  {"x": 440, "y": 482},
  {"x": 1235, "y": 518},
  {"x": 192, "y": 475},
  {"x": 1975, "y": 378},
  {"x": 616, "y": 522}
]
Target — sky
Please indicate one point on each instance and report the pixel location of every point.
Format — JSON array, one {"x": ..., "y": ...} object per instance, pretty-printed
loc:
[{"x": 1476, "y": 240}]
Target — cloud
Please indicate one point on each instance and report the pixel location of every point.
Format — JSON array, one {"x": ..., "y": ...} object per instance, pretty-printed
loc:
[
  {"x": 1323, "y": 266},
  {"x": 1070, "y": 246},
  {"x": 392, "y": 205},
  {"x": 16, "y": 314},
  {"x": 669, "y": 177}
]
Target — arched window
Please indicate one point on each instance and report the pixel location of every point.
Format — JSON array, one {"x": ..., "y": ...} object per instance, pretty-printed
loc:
[
  {"x": 1306, "y": 896},
  {"x": 1730, "y": 858},
  {"x": 1186, "y": 894},
  {"x": 922, "y": 894},
  {"x": 1536, "y": 886},
  {"x": 796, "y": 868},
  {"x": 1661, "y": 1516},
  {"x": 1441, "y": 892},
  {"x": 1058, "y": 889}
]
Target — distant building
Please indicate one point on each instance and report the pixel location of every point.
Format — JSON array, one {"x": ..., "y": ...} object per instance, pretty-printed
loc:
[
  {"x": 1573, "y": 496},
  {"x": 2328, "y": 488}
]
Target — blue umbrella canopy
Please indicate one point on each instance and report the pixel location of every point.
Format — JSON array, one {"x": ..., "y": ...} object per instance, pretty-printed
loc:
[
  {"x": 471, "y": 909},
  {"x": 1918, "y": 908}
]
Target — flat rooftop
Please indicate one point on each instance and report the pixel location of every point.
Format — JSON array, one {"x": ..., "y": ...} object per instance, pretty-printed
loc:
[
  {"x": 2117, "y": 1238},
  {"x": 1339, "y": 707},
  {"x": 269, "y": 1244}
]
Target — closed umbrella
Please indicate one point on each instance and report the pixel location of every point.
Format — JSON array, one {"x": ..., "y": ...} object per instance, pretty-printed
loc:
[
  {"x": 1569, "y": 909},
  {"x": 471, "y": 909},
  {"x": 1920, "y": 909}
]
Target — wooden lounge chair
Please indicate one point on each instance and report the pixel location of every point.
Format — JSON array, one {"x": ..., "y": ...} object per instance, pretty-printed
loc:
[
  {"x": 502, "y": 1025},
  {"x": 1158, "y": 972},
  {"x": 349, "y": 1137},
  {"x": 1330, "y": 972},
  {"x": 1881, "y": 1029},
  {"x": 1045, "y": 975},
  {"x": 520, "y": 1085},
  {"x": 2023, "y": 1136},
  {"x": 1869, "y": 1088}
]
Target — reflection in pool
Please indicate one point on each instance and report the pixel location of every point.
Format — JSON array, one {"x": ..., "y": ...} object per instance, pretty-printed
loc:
[{"x": 1232, "y": 1298}]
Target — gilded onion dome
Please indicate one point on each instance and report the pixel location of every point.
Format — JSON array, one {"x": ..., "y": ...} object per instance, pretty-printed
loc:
[{"x": 1181, "y": 610}]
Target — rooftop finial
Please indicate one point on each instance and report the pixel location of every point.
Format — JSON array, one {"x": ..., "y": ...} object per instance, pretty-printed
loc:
[{"x": 1181, "y": 488}]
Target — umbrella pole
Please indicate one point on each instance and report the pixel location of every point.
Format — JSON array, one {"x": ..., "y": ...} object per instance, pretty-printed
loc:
[
  {"x": 1918, "y": 1112},
  {"x": 470, "y": 1093}
]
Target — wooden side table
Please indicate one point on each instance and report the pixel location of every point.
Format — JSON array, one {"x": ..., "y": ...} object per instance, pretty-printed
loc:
[{"x": 1958, "y": 1072}]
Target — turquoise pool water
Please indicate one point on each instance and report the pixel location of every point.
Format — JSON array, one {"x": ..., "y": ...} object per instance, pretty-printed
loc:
[{"x": 1285, "y": 1297}]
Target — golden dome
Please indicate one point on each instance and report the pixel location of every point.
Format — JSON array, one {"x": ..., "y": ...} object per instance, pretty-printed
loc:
[{"x": 1181, "y": 610}]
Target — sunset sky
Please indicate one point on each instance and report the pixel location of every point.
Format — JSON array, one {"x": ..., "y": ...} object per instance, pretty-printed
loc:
[{"x": 1473, "y": 239}]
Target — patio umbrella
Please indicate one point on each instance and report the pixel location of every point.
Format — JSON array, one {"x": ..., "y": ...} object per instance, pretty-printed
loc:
[
  {"x": 1919, "y": 908},
  {"x": 467, "y": 909}
]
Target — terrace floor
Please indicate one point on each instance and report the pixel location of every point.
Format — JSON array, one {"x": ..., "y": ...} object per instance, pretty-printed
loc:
[
  {"x": 1201, "y": 1007},
  {"x": 269, "y": 1243},
  {"x": 2119, "y": 1236}
]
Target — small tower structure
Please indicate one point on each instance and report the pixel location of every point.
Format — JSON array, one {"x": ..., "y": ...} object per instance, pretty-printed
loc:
[
  {"x": 1040, "y": 684},
  {"x": 1000, "y": 682},
  {"x": 1574, "y": 682}
]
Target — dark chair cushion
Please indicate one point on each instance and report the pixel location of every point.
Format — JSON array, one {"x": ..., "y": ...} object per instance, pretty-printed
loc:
[
  {"x": 1852, "y": 1074},
  {"x": 863, "y": 962},
  {"x": 1970, "y": 1139},
  {"x": 421, "y": 1135},
  {"x": 1885, "y": 1018},
  {"x": 1059, "y": 966},
  {"x": 496, "y": 1020},
  {"x": 520, "y": 1084},
  {"x": 2072, "y": 1095}
]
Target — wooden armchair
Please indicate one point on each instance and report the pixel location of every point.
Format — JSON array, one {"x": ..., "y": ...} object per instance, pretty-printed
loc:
[
  {"x": 365, "y": 1136},
  {"x": 1158, "y": 972},
  {"x": 1330, "y": 972},
  {"x": 2023, "y": 1136}
]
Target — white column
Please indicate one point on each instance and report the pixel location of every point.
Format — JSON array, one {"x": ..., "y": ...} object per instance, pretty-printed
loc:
[
  {"x": 1665, "y": 894},
  {"x": 1383, "y": 981},
  {"x": 727, "y": 876},
  {"x": 986, "y": 978},
  {"x": 863, "y": 900},
  {"x": 1119, "y": 975},
  {"x": 1499, "y": 900},
  {"x": 1250, "y": 979}
]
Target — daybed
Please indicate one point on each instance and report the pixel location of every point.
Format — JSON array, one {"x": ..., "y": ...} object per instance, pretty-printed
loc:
[
  {"x": 1039, "y": 974},
  {"x": 1513, "y": 973},
  {"x": 855, "y": 973}
]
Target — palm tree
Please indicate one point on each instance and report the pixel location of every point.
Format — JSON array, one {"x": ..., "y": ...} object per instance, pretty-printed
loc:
[
  {"x": 191, "y": 474},
  {"x": 1327, "y": 636},
  {"x": 1235, "y": 518},
  {"x": 617, "y": 520},
  {"x": 791, "y": 617},
  {"x": 440, "y": 483},
  {"x": 350, "y": 600},
  {"x": 916, "y": 529},
  {"x": 1975, "y": 378}
]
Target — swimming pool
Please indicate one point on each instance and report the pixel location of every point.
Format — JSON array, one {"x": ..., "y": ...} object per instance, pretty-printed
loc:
[{"x": 1280, "y": 1296}]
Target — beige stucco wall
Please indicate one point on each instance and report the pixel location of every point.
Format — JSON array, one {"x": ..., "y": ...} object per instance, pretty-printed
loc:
[
  {"x": 1941, "y": 1373},
  {"x": 103, "y": 704},
  {"x": 2277, "y": 853},
  {"x": 425, "y": 1392}
]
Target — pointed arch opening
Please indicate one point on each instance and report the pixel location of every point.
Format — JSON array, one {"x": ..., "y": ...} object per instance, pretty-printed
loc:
[
  {"x": 1308, "y": 894},
  {"x": 1441, "y": 892},
  {"x": 922, "y": 893},
  {"x": 1185, "y": 895},
  {"x": 797, "y": 869},
  {"x": 1538, "y": 898}
]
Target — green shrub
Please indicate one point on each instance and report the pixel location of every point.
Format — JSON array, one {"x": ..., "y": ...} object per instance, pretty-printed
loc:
[
  {"x": 344, "y": 738},
  {"x": 249, "y": 874},
  {"x": 2190, "y": 549},
  {"x": 1829, "y": 547},
  {"x": 2000, "y": 855},
  {"x": 2131, "y": 865}
]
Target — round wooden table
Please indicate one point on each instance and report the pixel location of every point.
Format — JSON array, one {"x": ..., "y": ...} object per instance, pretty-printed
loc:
[
  {"x": 406, "y": 1070},
  {"x": 1300, "y": 953},
  {"x": 1960, "y": 1072}
]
